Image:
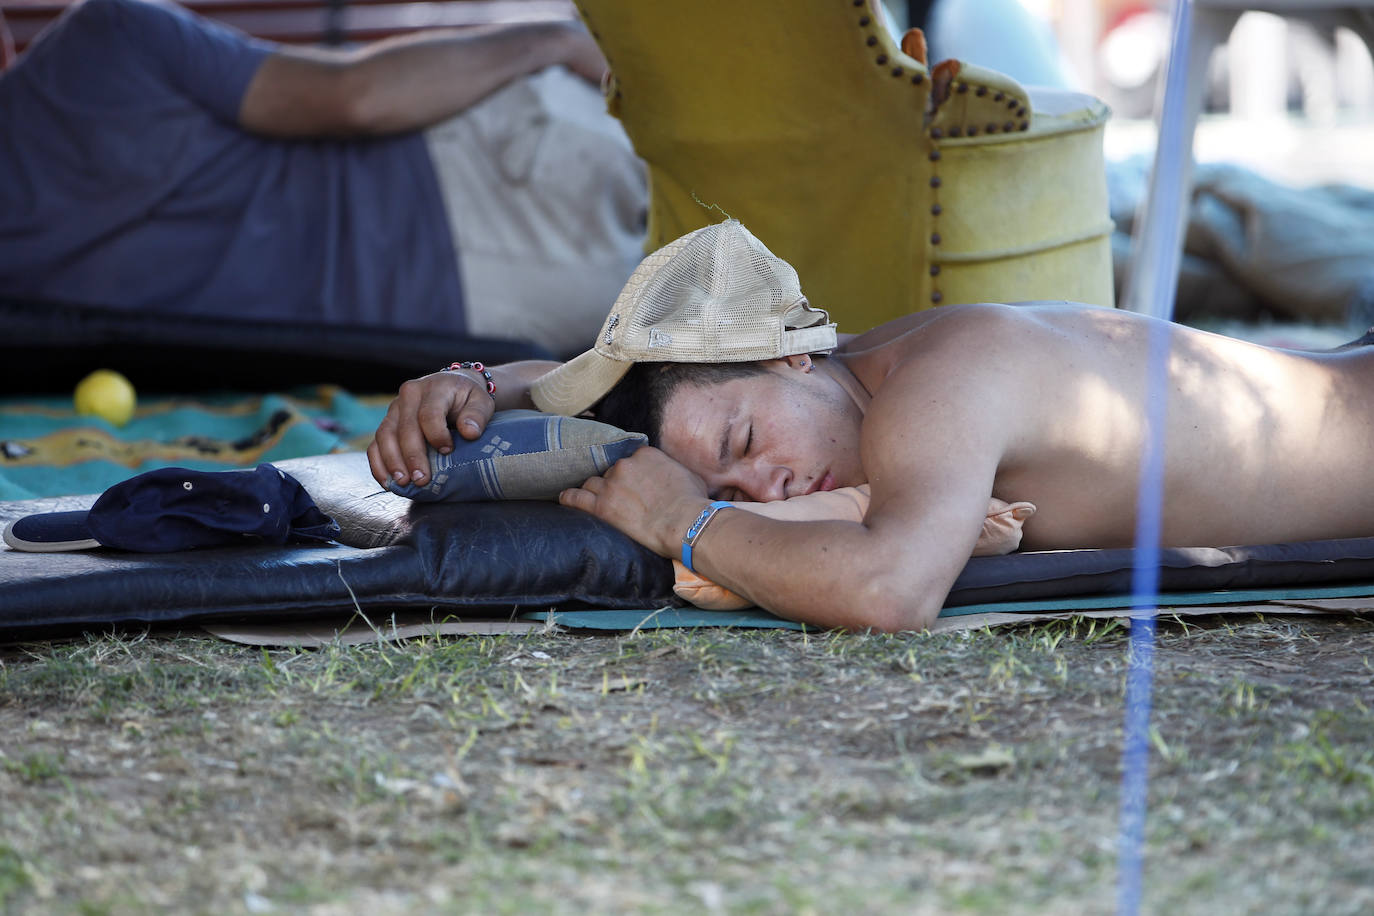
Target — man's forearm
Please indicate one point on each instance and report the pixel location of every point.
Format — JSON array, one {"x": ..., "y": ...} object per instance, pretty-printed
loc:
[
  {"x": 414, "y": 82},
  {"x": 401, "y": 84},
  {"x": 889, "y": 572},
  {"x": 830, "y": 573}
]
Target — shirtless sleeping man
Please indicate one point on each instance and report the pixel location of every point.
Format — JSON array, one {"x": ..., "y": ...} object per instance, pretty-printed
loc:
[{"x": 937, "y": 411}]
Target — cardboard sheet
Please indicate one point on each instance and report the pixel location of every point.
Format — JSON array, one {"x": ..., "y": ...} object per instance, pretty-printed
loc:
[{"x": 356, "y": 630}]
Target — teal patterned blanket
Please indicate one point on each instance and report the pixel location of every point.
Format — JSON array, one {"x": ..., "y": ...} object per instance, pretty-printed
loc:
[{"x": 47, "y": 449}]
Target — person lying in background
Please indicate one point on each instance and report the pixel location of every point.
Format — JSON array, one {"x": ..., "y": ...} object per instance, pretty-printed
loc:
[{"x": 463, "y": 181}]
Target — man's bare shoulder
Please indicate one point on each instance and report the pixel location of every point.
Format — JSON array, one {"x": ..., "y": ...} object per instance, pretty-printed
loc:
[
  {"x": 968, "y": 341},
  {"x": 958, "y": 376},
  {"x": 971, "y": 384}
]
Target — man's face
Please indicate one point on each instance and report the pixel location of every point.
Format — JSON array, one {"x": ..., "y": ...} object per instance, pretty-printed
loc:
[{"x": 785, "y": 433}]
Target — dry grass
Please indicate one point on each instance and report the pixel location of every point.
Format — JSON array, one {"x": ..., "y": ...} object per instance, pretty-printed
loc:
[{"x": 702, "y": 771}]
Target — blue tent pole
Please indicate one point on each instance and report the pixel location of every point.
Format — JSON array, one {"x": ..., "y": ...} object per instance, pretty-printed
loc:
[{"x": 1151, "y": 291}]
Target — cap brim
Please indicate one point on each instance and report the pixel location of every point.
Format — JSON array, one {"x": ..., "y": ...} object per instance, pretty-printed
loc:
[
  {"x": 50, "y": 532},
  {"x": 577, "y": 384}
]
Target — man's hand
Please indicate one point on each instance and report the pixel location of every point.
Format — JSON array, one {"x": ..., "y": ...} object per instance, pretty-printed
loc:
[
  {"x": 648, "y": 496},
  {"x": 422, "y": 413},
  {"x": 425, "y": 409}
]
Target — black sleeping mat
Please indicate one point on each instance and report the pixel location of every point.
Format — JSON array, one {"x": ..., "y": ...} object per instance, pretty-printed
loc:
[{"x": 495, "y": 559}]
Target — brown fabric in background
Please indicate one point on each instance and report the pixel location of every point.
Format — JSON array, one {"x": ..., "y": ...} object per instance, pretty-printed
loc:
[{"x": 1256, "y": 249}]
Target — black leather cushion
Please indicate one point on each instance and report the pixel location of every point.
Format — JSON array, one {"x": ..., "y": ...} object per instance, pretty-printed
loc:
[
  {"x": 478, "y": 559},
  {"x": 489, "y": 559},
  {"x": 49, "y": 346}
]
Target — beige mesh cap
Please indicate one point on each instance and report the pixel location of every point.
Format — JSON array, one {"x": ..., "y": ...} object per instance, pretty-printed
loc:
[{"x": 716, "y": 295}]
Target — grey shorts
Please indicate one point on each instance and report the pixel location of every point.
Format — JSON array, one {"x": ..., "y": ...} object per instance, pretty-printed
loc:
[{"x": 547, "y": 202}]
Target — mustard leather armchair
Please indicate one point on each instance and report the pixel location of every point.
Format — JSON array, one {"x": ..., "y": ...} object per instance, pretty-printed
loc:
[{"x": 891, "y": 186}]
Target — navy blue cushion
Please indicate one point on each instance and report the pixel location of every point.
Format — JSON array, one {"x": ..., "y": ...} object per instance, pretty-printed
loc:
[{"x": 522, "y": 454}]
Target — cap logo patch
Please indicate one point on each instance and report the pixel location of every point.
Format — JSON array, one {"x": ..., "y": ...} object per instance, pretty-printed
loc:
[
  {"x": 660, "y": 338},
  {"x": 610, "y": 329}
]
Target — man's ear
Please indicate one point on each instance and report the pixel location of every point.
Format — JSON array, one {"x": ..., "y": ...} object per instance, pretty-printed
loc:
[{"x": 801, "y": 361}]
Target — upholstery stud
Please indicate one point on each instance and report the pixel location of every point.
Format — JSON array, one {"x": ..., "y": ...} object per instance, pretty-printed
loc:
[
  {"x": 935, "y": 238},
  {"x": 935, "y": 296},
  {"x": 935, "y": 270},
  {"x": 934, "y": 181}
]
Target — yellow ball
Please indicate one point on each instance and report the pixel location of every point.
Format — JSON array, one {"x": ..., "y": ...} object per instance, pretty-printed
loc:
[{"x": 107, "y": 394}]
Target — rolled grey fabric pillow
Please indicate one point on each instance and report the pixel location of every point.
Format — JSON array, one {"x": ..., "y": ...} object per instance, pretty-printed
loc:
[{"x": 522, "y": 454}]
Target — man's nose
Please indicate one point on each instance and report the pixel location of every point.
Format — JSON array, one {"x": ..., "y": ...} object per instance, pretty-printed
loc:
[{"x": 770, "y": 484}]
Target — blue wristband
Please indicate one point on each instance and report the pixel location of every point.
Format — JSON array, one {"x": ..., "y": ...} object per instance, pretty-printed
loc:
[{"x": 694, "y": 532}]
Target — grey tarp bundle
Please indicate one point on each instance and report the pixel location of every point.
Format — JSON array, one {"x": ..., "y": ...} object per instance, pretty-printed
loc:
[{"x": 1255, "y": 248}]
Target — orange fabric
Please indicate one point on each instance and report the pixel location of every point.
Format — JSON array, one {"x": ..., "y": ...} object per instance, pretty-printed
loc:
[{"x": 914, "y": 45}]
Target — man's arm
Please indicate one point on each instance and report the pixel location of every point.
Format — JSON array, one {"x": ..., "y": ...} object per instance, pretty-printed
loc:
[
  {"x": 404, "y": 83},
  {"x": 425, "y": 409},
  {"x": 931, "y": 467},
  {"x": 889, "y": 573}
]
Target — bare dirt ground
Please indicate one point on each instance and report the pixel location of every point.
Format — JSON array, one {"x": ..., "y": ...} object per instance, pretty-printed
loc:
[{"x": 688, "y": 772}]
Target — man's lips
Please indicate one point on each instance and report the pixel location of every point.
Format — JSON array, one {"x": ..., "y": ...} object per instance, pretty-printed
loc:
[{"x": 825, "y": 482}]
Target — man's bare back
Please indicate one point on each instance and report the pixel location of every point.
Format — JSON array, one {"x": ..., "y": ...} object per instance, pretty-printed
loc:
[{"x": 1261, "y": 445}]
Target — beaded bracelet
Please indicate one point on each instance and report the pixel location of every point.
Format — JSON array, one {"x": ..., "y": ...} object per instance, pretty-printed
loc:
[{"x": 476, "y": 367}]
